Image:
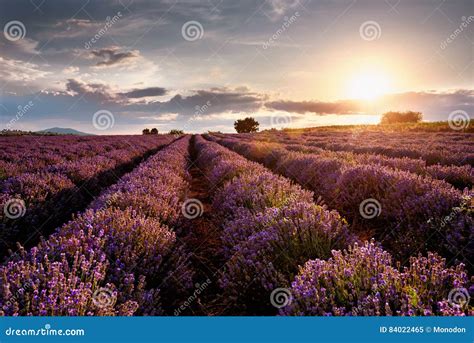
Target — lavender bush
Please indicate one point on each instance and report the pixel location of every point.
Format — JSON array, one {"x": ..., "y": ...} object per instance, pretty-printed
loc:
[{"x": 362, "y": 281}]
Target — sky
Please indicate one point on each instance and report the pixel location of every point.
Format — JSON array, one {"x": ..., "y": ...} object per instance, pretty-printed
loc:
[{"x": 116, "y": 67}]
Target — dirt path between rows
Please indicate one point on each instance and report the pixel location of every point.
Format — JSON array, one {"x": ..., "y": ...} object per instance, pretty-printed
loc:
[{"x": 202, "y": 238}]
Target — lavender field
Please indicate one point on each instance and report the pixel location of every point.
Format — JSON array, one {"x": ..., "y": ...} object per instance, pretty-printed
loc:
[{"x": 358, "y": 222}]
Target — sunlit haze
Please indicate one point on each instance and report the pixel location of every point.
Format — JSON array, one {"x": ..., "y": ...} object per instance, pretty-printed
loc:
[{"x": 199, "y": 66}]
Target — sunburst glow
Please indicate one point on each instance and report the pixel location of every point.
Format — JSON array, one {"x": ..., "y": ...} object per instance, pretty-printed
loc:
[{"x": 369, "y": 85}]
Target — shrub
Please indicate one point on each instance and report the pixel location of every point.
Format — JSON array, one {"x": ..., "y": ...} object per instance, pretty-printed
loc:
[
  {"x": 362, "y": 281},
  {"x": 280, "y": 240},
  {"x": 401, "y": 117}
]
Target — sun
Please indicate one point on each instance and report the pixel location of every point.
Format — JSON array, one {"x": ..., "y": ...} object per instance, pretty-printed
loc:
[{"x": 368, "y": 85}]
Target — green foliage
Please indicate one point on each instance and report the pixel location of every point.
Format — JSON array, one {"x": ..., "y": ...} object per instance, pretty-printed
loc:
[
  {"x": 401, "y": 117},
  {"x": 246, "y": 125},
  {"x": 176, "y": 132}
]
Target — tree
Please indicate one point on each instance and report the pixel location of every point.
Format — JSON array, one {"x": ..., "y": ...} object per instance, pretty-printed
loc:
[
  {"x": 246, "y": 125},
  {"x": 401, "y": 117},
  {"x": 176, "y": 132},
  {"x": 154, "y": 131},
  {"x": 146, "y": 131}
]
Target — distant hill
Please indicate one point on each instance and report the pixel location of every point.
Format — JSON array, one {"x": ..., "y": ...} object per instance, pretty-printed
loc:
[{"x": 64, "y": 131}]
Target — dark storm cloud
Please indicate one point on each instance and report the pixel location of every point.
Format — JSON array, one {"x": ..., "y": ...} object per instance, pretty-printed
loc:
[{"x": 144, "y": 92}]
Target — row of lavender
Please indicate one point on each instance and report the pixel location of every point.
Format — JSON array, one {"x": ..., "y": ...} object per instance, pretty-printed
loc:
[
  {"x": 408, "y": 214},
  {"x": 447, "y": 148},
  {"x": 271, "y": 226},
  {"x": 460, "y": 176},
  {"x": 35, "y": 153},
  {"x": 120, "y": 257},
  {"x": 36, "y": 202}
]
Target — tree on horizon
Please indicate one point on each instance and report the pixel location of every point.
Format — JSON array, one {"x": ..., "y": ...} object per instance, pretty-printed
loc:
[{"x": 246, "y": 125}]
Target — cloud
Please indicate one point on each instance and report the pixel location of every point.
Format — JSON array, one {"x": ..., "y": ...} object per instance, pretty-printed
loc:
[
  {"x": 17, "y": 74},
  {"x": 79, "y": 100},
  {"x": 162, "y": 117},
  {"x": 435, "y": 105},
  {"x": 316, "y": 107},
  {"x": 112, "y": 56},
  {"x": 71, "y": 70},
  {"x": 215, "y": 100},
  {"x": 144, "y": 92},
  {"x": 91, "y": 92},
  {"x": 277, "y": 8},
  {"x": 204, "y": 102}
]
